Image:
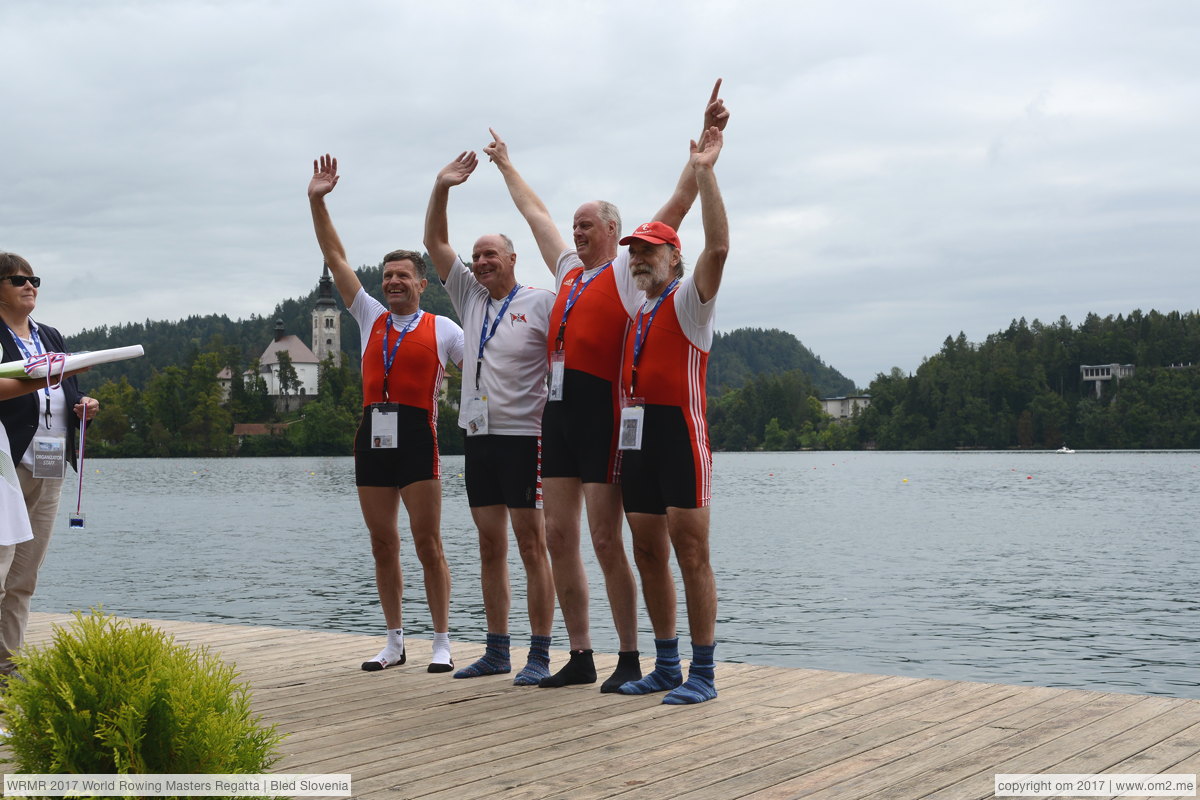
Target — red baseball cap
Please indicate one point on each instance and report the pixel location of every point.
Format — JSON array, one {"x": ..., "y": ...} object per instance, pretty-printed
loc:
[{"x": 654, "y": 233}]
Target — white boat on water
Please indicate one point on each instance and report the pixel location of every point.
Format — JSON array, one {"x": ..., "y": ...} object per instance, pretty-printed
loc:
[{"x": 1064, "y": 449}]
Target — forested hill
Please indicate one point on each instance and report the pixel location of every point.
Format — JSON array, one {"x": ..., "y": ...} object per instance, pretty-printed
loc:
[
  {"x": 741, "y": 355},
  {"x": 736, "y": 357},
  {"x": 176, "y": 343}
]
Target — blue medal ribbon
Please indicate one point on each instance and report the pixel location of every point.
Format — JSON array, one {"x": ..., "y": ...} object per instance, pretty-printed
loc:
[
  {"x": 389, "y": 357},
  {"x": 639, "y": 340},
  {"x": 572, "y": 298},
  {"x": 485, "y": 335}
]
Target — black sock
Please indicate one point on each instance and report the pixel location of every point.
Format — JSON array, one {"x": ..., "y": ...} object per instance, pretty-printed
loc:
[
  {"x": 628, "y": 669},
  {"x": 579, "y": 669}
]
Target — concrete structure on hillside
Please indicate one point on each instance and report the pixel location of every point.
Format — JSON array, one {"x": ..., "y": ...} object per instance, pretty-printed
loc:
[
  {"x": 1100, "y": 374},
  {"x": 841, "y": 408}
]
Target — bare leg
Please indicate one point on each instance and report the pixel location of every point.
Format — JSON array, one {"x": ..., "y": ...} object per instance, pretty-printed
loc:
[
  {"x": 652, "y": 554},
  {"x": 423, "y": 501},
  {"x": 492, "y": 523},
  {"x": 563, "y": 503},
  {"x": 689, "y": 536},
  {"x": 380, "y": 506},
  {"x": 604, "y": 520},
  {"x": 529, "y": 527}
]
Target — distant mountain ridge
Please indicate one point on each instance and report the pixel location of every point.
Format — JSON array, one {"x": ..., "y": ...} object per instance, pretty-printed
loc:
[{"x": 736, "y": 357}]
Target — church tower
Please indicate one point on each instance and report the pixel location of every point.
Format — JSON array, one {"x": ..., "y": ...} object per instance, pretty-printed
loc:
[{"x": 326, "y": 322}]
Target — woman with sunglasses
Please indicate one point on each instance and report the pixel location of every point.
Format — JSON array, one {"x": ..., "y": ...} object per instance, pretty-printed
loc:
[{"x": 40, "y": 418}]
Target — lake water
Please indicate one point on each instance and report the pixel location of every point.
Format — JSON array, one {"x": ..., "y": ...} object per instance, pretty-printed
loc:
[{"x": 1030, "y": 568}]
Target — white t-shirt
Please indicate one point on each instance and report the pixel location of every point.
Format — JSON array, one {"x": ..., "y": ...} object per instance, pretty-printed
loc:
[
  {"x": 366, "y": 309},
  {"x": 696, "y": 319},
  {"x": 513, "y": 373}
]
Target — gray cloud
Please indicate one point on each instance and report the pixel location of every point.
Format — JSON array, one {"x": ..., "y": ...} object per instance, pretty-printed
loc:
[{"x": 895, "y": 173}]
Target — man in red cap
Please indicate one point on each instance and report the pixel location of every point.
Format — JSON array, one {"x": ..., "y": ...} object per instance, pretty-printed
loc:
[
  {"x": 580, "y": 458},
  {"x": 666, "y": 473}
]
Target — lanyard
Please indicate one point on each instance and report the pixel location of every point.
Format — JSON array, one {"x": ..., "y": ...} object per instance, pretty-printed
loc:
[
  {"x": 485, "y": 335},
  {"x": 389, "y": 357},
  {"x": 572, "y": 298},
  {"x": 37, "y": 342},
  {"x": 639, "y": 340}
]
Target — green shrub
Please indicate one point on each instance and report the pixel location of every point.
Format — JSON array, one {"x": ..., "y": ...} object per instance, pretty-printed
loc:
[{"x": 108, "y": 696}]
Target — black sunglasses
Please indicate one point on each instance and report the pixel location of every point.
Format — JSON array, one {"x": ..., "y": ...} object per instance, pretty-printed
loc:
[{"x": 21, "y": 280}]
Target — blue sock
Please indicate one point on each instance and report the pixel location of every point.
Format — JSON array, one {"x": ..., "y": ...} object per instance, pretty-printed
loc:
[
  {"x": 700, "y": 685},
  {"x": 666, "y": 675},
  {"x": 494, "y": 661},
  {"x": 538, "y": 664}
]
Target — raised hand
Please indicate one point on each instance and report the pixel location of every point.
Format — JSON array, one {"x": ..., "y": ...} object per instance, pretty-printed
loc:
[
  {"x": 324, "y": 177},
  {"x": 458, "y": 170},
  {"x": 704, "y": 155},
  {"x": 497, "y": 150},
  {"x": 715, "y": 113}
]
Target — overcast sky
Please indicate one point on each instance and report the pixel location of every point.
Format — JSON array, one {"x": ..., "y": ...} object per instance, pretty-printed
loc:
[{"x": 895, "y": 172}]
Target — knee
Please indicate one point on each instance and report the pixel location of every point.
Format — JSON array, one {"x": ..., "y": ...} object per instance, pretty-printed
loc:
[
  {"x": 610, "y": 549},
  {"x": 429, "y": 551},
  {"x": 492, "y": 552},
  {"x": 384, "y": 549},
  {"x": 532, "y": 549},
  {"x": 650, "y": 558},
  {"x": 692, "y": 555}
]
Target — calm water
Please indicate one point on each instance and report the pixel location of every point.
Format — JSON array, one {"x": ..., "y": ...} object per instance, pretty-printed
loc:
[{"x": 1074, "y": 571}]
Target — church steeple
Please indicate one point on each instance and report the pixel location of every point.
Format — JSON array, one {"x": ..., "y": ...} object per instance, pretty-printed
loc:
[{"x": 327, "y": 322}]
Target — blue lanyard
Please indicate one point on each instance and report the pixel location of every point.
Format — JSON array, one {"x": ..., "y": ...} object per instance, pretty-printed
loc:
[
  {"x": 389, "y": 357},
  {"x": 485, "y": 335},
  {"x": 572, "y": 298},
  {"x": 639, "y": 340},
  {"x": 37, "y": 342}
]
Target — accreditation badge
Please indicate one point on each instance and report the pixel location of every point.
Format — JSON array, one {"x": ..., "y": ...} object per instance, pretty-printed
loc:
[
  {"x": 633, "y": 416},
  {"x": 558, "y": 362},
  {"x": 477, "y": 415},
  {"x": 384, "y": 427},
  {"x": 49, "y": 457}
]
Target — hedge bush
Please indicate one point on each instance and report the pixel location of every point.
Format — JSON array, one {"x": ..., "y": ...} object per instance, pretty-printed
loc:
[{"x": 109, "y": 696}]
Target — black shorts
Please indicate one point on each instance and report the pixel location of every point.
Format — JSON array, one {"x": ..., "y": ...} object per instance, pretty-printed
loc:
[
  {"x": 504, "y": 470},
  {"x": 579, "y": 437},
  {"x": 673, "y": 468},
  {"x": 415, "y": 459}
]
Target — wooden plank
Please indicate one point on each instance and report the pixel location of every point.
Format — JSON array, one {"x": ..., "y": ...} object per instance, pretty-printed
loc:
[{"x": 772, "y": 732}]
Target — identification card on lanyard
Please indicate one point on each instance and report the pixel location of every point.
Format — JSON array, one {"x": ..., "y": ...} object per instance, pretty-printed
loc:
[
  {"x": 633, "y": 419},
  {"x": 384, "y": 427},
  {"x": 558, "y": 361},
  {"x": 477, "y": 415},
  {"x": 49, "y": 457}
]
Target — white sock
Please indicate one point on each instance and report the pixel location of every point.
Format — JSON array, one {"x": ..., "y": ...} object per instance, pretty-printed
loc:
[
  {"x": 441, "y": 648},
  {"x": 391, "y": 652}
]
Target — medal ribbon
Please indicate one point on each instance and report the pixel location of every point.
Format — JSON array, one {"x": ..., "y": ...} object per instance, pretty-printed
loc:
[
  {"x": 572, "y": 298},
  {"x": 639, "y": 340},
  {"x": 388, "y": 358},
  {"x": 485, "y": 335}
]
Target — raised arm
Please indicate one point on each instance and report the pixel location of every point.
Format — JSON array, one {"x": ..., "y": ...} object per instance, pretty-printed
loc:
[
  {"x": 549, "y": 241},
  {"x": 324, "y": 178},
  {"x": 437, "y": 228},
  {"x": 680, "y": 201},
  {"x": 710, "y": 265}
]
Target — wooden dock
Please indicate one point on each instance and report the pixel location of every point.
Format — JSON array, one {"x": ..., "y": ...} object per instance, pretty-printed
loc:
[{"x": 772, "y": 733}]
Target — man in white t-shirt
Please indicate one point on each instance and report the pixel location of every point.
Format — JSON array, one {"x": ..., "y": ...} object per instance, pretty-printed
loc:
[
  {"x": 503, "y": 392},
  {"x": 396, "y": 450}
]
